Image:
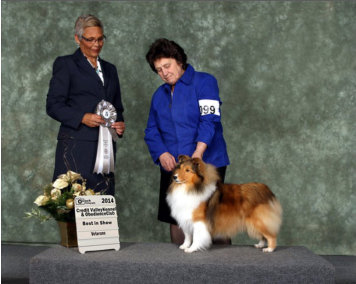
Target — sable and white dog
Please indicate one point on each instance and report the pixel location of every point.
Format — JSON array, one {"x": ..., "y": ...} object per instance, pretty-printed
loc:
[{"x": 205, "y": 208}]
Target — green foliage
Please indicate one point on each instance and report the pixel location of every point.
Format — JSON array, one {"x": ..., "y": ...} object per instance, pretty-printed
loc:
[
  {"x": 58, "y": 198},
  {"x": 36, "y": 212}
]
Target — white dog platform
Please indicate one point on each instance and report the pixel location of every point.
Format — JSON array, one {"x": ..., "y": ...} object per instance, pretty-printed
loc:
[{"x": 165, "y": 263}]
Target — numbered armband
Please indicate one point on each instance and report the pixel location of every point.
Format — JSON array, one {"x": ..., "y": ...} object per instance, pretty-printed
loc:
[{"x": 209, "y": 107}]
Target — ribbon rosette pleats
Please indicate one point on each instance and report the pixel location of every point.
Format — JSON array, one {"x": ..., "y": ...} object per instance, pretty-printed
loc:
[{"x": 104, "y": 163}]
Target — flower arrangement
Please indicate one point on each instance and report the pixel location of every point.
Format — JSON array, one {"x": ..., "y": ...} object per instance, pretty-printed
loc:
[{"x": 58, "y": 198}]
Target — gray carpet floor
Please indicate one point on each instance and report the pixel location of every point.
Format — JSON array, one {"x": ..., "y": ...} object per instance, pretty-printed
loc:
[{"x": 15, "y": 260}]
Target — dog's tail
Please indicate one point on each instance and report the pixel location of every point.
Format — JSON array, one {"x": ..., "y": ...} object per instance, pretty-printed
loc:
[
  {"x": 266, "y": 218},
  {"x": 274, "y": 218}
]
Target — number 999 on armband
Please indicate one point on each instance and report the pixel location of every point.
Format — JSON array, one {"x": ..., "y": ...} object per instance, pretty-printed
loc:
[
  {"x": 209, "y": 107},
  {"x": 207, "y": 110}
]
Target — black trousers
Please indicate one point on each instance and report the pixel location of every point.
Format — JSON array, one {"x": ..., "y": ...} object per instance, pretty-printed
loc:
[{"x": 164, "y": 212}]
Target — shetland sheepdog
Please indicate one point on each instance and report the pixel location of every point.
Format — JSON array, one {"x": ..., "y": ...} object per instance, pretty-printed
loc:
[{"x": 205, "y": 208}]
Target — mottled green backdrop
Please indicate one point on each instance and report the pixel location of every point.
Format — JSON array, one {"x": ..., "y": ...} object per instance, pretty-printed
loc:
[{"x": 287, "y": 77}]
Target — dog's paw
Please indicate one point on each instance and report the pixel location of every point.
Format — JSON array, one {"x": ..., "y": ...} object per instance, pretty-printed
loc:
[
  {"x": 190, "y": 250},
  {"x": 268, "y": 250},
  {"x": 260, "y": 245},
  {"x": 184, "y": 246}
]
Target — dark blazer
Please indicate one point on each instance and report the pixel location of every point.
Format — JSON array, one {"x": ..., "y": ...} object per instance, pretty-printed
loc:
[{"x": 76, "y": 89}]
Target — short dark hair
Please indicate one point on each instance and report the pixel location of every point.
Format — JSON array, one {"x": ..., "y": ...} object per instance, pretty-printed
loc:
[{"x": 164, "y": 48}]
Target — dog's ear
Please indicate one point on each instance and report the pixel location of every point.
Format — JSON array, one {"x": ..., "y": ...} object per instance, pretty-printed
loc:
[
  {"x": 198, "y": 166},
  {"x": 183, "y": 158}
]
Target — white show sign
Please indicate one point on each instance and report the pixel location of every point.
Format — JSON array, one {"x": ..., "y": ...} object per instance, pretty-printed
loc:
[{"x": 96, "y": 221}]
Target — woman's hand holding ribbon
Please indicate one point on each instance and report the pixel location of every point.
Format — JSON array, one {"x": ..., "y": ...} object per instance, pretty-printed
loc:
[
  {"x": 119, "y": 127},
  {"x": 92, "y": 120}
]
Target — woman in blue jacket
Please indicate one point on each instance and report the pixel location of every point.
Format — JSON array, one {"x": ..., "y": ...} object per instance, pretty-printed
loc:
[{"x": 184, "y": 118}]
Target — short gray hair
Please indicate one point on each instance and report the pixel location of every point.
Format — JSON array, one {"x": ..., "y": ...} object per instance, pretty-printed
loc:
[{"x": 86, "y": 21}]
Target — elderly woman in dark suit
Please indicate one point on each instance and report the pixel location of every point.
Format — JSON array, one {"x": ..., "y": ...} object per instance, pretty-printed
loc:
[{"x": 79, "y": 82}]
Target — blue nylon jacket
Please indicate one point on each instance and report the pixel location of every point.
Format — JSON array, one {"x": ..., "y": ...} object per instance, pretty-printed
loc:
[{"x": 175, "y": 124}]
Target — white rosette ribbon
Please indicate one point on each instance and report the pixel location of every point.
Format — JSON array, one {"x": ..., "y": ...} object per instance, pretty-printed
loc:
[{"x": 104, "y": 163}]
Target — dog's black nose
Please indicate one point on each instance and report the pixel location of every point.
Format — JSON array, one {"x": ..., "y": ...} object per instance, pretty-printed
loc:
[{"x": 175, "y": 177}]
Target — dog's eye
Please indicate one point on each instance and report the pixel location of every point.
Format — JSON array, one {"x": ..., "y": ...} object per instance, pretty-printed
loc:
[{"x": 187, "y": 170}]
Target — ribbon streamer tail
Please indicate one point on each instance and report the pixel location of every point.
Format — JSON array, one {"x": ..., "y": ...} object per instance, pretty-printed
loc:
[{"x": 104, "y": 163}]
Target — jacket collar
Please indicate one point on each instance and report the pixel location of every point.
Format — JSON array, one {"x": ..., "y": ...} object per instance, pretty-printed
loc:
[
  {"x": 83, "y": 62},
  {"x": 186, "y": 78},
  {"x": 188, "y": 75}
]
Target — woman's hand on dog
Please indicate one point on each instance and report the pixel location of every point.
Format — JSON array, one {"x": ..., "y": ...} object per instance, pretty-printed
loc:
[
  {"x": 167, "y": 161},
  {"x": 199, "y": 151}
]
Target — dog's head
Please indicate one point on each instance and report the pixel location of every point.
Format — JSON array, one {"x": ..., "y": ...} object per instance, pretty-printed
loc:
[{"x": 189, "y": 170}]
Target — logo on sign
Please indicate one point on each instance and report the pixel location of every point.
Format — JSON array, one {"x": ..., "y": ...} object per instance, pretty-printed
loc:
[{"x": 83, "y": 201}]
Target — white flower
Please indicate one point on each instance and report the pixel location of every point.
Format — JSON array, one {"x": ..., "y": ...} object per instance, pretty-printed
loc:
[
  {"x": 60, "y": 183},
  {"x": 89, "y": 192},
  {"x": 73, "y": 176},
  {"x": 41, "y": 200},
  {"x": 76, "y": 187},
  {"x": 63, "y": 177},
  {"x": 55, "y": 193},
  {"x": 78, "y": 193}
]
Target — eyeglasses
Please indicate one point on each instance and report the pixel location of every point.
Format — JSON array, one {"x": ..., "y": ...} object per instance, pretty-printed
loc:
[{"x": 91, "y": 40}]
